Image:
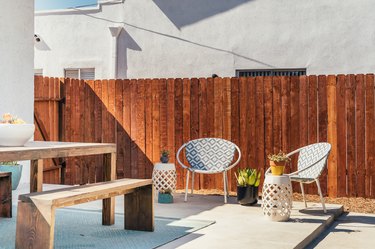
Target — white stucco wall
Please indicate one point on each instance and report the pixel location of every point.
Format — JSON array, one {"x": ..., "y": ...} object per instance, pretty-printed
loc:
[
  {"x": 194, "y": 38},
  {"x": 16, "y": 60}
]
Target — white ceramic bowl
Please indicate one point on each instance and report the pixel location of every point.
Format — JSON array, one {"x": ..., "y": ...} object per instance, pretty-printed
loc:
[{"x": 15, "y": 134}]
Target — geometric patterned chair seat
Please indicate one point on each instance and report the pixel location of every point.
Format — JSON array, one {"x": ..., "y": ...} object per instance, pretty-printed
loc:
[{"x": 208, "y": 156}]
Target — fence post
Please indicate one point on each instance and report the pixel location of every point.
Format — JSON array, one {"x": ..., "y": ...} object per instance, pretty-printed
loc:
[{"x": 332, "y": 135}]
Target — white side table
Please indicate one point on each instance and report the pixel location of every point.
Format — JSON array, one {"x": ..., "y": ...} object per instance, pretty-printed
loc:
[
  {"x": 164, "y": 176},
  {"x": 277, "y": 197}
]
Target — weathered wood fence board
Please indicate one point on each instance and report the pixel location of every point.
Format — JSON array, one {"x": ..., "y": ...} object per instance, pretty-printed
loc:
[{"x": 261, "y": 115}]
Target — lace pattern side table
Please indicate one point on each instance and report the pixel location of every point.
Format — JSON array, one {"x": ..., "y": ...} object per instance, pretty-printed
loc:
[
  {"x": 164, "y": 176},
  {"x": 277, "y": 197}
]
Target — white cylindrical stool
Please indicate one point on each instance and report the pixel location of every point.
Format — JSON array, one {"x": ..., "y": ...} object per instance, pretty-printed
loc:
[
  {"x": 164, "y": 176},
  {"x": 277, "y": 197}
]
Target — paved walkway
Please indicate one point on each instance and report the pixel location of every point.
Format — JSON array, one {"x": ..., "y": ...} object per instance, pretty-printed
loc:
[{"x": 350, "y": 230}]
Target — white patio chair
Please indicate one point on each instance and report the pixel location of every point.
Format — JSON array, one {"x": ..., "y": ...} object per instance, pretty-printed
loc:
[
  {"x": 312, "y": 160},
  {"x": 208, "y": 156}
]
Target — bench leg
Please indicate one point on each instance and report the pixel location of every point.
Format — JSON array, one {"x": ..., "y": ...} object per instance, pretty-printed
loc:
[
  {"x": 139, "y": 209},
  {"x": 6, "y": 196},
  {"x": 36, "y": 175},
  {"x": 108, "y": 213},
  {"x": 33, "y": 230}
]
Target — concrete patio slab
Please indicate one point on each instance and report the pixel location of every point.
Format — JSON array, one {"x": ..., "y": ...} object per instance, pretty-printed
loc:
[
  {"x": 350, "y": 230},
  {"x": 237, "y": 226}
]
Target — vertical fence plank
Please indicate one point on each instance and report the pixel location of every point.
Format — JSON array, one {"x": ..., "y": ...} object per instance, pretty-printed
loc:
[
  {"x": 98, "y": 126},
  {"x": 312, "y": 118},
  {"x": 127, "y": 127},
  {"x": 276, "y": 114},
  {"x": 341, "y": 136},
  {"x": 350, "y": 134},
  {"x": 202, "y": 120},
  {"x": 360, "y": 134},
  {"x": 186, "y": 116},
  {"x": 323, "y": 123},
  {"x": 218, "y": 122},
  {"x": 332, "y": 134},
  {"x": 259, "y": 138},
  {"x": 134, "y": 129},
  {"x": 171, "y": 120},
  {"x": 120, "y": 132},
  {"x": 163, "y": 114},
  {"x": 227, "y": 119},
  {"x": 148, "y": 128},
  {"x": 140, "y": 134},
  {"x": 235, "y": 122},
  {"x": 194, "y": 118},
  {"x": 178, "y": 107},
  {"x": 268, "y": 134},
  {"x": 370, "y": 136},
  {"x": 210, "y": 179},
  {"x": 243, "y": 117},
  {"x": 295, "y": 123},
  {"x": 250, "y": 124}
]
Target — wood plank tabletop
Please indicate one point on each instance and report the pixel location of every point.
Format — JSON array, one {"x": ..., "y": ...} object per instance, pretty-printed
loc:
[{"x": 44, "y": 150}]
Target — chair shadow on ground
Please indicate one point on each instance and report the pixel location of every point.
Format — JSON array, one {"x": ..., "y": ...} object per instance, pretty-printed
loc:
[{"x": 359, "y": 222}]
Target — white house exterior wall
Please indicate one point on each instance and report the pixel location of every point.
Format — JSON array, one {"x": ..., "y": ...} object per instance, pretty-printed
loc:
[
  {"x": 196, "y": 38},
  {"x": 16, "y": 60}
]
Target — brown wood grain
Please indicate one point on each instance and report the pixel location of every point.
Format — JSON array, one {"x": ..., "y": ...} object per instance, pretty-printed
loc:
[
  {"x": 127, "y": 127},
  {"x": 312, "y": 120},
  {"x": 148, "y": 129},
  {"x": 370, "y": 136},
  {"x": 295, "y": 124},
  {"x": 268, "y": 136},
  {"x": 227, "y": 120},
  {"x": 210, "y": 179},
  {"x": 235, "y": 123},
  {"x": 276, "y": 114},
  {"x": 243, "y": 121},
  {"x": 194, "y": 119},
  {"x": 178, "y": 116},
  {"x": 360, "y": 134},
  {"x": 260, "y": 156},
  {"x": 350, "y": 134},
  {"x": 186, "y": 119},
  {"x": 218, "y": 122},
  {"x": 341, "y": 136},
  {"x": 323, "y": 123},
  {"x": 332, "y": 93}
]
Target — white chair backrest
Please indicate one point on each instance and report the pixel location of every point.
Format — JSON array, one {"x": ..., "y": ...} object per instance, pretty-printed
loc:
[
  {"x": 210, "y": 154},
  {"x": 315, "y": 153}
]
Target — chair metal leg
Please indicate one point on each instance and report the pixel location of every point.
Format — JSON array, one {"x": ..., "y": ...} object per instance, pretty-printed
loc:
[
  {"x": 321, "y": 196},
  {"x": 187, "y": 183},
  {"x": 192, "y": 183},
  {"x": 226, "y": 179},
  {"x": 225, "y": 186},
  {"x": 303, "y": 193}
]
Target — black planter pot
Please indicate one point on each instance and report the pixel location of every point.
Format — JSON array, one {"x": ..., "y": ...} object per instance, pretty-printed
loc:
[
  {"x": 164, "y": 159},
  {"x": 247, "y": 195}
]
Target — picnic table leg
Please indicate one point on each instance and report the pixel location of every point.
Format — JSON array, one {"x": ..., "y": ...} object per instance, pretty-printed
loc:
[
  {"x": 139, "y": 209},
  {"x": 34, "y": 230},
  {"x": 6, "y": 195},
  {"x": 36, "y": 176},
  {"x": 108, "y": 213}
]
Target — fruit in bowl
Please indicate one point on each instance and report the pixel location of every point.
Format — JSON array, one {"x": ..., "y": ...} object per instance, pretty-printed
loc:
[{"x": 14, "y": 131}]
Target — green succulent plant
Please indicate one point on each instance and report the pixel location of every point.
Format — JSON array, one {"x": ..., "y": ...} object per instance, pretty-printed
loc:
[{"x": 248, "y": 177}]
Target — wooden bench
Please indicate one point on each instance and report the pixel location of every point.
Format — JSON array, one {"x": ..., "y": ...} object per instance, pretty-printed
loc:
[
  {"x": 6, "y": 194},
  {"x": 36, "y": 211}
]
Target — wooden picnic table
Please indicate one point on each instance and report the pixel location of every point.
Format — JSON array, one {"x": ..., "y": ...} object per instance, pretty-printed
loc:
[{"x": 37, "y": 151}]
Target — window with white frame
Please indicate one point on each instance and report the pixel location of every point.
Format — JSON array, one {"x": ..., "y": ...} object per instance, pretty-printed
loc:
[
  {"x": 270, "y": 72},
  {"x": 38, "y": 72},
  {"x": 80, "y": 73}
]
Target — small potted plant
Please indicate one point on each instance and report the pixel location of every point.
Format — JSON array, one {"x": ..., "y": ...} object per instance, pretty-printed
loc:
[
  {"x": 16, "y": 170},
  {"x": 164, "y": 158},
  {"x": 165, "y": 196},
  {"x": 247, "y": 186},
  {"x": 278, "y": 162}
]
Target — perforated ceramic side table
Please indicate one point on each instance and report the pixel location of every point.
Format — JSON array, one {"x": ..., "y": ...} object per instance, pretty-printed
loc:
[
  {"x": 164, "y": 176},
  {"x": 277, "y": 197}
]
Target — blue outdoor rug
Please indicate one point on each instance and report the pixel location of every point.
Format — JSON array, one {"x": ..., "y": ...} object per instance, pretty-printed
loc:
[{"x": 82, "y": 229}]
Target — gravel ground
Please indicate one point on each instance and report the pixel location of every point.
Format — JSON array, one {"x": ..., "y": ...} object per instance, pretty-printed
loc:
[{"x": 351, "y": 204}]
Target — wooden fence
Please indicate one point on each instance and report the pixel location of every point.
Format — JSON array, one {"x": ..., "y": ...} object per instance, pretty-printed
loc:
[{"x": 261, "y": 115}]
